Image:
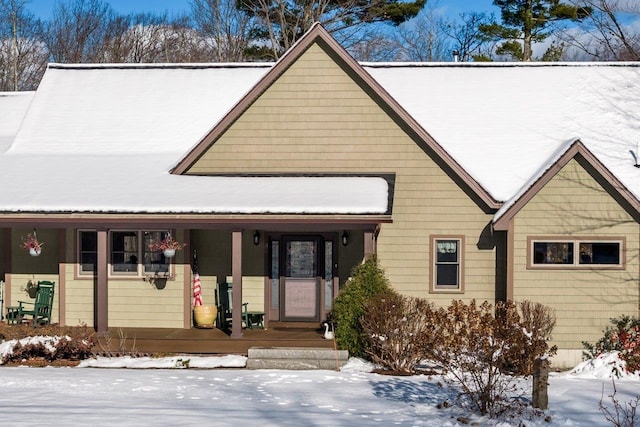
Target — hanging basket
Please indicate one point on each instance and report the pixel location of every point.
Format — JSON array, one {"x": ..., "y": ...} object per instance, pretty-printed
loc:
[
  {"x": 35, "y": 251},
  {"x": 169, "y": 253}
]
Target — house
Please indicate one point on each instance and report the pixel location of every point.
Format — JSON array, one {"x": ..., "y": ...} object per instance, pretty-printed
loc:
[{"x": 469, "y": 181}]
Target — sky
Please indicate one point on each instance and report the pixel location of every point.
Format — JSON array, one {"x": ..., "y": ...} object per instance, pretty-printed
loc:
[
  {"x": 43, "y": 8},
  {"x": 217, "y": 391}
]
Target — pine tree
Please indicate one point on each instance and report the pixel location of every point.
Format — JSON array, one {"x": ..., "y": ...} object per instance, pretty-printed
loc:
[{"x": 525, "y": 22}]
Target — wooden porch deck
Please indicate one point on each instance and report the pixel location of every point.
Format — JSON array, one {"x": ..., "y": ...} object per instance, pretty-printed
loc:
[{"x": 209, "y": 341}]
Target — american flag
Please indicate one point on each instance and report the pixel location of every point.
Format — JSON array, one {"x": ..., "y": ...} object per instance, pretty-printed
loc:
[{"x": 197, "y": 289}]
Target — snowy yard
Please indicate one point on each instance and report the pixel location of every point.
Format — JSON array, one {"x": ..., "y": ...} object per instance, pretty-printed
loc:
[{"x": 106, "y": 392}]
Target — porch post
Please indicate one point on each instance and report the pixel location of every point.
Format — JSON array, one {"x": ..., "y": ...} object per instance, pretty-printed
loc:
[
  {"x": 236, "y": 271},
  {"x": 101, "y": 299},
  {"x": 369, "y": 244}
]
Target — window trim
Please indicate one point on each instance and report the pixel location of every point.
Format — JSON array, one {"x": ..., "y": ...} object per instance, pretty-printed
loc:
[
  {"x": 80, "y": 274},
  {"x": 433, "y": 239},
  {"x": 576, "y": 240},
  {"x": 139, "y": 272}
]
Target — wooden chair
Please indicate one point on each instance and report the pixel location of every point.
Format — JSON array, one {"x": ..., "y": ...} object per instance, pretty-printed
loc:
[
  {"x": 252, "y": 318},
  {"x": 224, "y": 301},
  {"x": 39, "y": 310}
]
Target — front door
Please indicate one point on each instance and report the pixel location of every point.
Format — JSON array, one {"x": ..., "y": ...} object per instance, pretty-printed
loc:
[{"x": 301, "y": 278}]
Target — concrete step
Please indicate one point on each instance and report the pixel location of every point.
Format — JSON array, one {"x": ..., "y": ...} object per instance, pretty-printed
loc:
[{"x": 296, "y": 358}]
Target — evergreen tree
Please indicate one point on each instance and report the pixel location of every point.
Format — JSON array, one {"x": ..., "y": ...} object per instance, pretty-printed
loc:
[
  {"x": 525, "y": 22},
  {"x": 282, "y": 22}
]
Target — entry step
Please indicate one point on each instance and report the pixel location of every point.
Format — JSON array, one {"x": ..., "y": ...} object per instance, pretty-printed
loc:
[{"x": 296, "y": 358}]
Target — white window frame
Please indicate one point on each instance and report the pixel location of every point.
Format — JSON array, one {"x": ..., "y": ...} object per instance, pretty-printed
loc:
[
  {"x": 576, "y": 261},
  {"x": 434, "y": 263}
]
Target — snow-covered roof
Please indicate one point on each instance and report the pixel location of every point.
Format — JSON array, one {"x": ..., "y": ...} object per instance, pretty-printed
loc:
[
  {"x": 109, "y": 134},
  {"x": 13, "y": 106},
  {"x": 103, "y": 138},
  {"x": 504, "y": 123}
]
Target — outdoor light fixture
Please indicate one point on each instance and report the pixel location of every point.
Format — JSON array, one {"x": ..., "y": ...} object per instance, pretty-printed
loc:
[
  {"x": 345, "y": 238},
  {"x": 256, "y": 238}
]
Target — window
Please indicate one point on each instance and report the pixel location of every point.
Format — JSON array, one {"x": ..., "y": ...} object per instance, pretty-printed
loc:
[
  {"x": 124, "y": 251},
  {"x": 88, "y": 252},
  {"x": 571, "y": 253},
  {"x": 446, "y": 254},
  {"x": 129, "y": 253}
]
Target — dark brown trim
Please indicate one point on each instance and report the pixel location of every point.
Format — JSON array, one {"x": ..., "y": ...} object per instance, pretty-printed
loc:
[
  {"x": 369, "y": 244},
  {"x": 101, "y": 300},
  {"x": 317, "y": 34},
  {"x": 186, "y": 286},
  {"x": 577, "y": 150},
  {"x": 432, "y": 264},
  {"x": 6, "y": 258},
  {"x": 202, "y": 221},
  {"x": 236, "y": 272},
  {"x": 62, "y": 277},
  {"x": 510, "y": 260},
  {"x": 576, "y": 239}
]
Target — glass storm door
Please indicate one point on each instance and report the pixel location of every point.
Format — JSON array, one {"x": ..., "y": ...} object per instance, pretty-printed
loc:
[{"x": 300, "y": 293}]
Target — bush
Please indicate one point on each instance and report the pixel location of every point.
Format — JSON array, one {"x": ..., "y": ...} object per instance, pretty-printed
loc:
[
  {"x": 367, "y": 281},
  {"x": 48, "y": 343},
  {"x": 396, "y": 331},
  {"x": 623, "y": 337},
  {"x": 481, "y": 348}
]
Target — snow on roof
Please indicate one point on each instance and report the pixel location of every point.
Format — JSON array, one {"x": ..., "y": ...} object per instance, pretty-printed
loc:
[
  {"x": 127, "y": 109},
  {"x": 103, "y": 138},
  {"x": 13, "y": 106},
  {"x": 502, "y": 122},
  {"x": 109, "y": 134}
]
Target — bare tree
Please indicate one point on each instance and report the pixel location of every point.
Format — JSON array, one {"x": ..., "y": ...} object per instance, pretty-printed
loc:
[
  {"x": 424, "y": 38},
  {"x": 226, "y": 29},
  {"x": 467, "y": 37},
  {"x": 23, "y": 57},
  {"x": 376, "y": 48},
  {"x": 608, "y": 34},
  {"x": 147, "y": 38},
  {"x": 78, "y": 30}
]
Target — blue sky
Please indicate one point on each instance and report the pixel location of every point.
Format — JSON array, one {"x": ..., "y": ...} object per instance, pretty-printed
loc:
[{"x": 43, "y": 8}]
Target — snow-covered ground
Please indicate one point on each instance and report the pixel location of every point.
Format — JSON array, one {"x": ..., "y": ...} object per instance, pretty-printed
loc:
[{"x": 146, "y": 391}]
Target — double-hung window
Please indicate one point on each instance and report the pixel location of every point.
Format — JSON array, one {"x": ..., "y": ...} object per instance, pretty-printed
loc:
[
  {"x": 576, "y": 253},
  {"x": 129, "y": 253},
  {"x": 446, "y": 265}
]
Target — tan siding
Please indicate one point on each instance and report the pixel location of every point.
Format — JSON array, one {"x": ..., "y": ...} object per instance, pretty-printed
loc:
[
  {"x": 315, "y": 119},
  {"x": 575, "y": 204}
]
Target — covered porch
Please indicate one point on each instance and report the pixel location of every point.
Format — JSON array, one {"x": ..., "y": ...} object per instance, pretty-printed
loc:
[
  {"x": 256, "y": 255},
  {"x": 209, "y": 341}
]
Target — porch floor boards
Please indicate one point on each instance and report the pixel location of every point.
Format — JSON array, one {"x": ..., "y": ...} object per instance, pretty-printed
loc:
[{"x": 207, "y": 341}]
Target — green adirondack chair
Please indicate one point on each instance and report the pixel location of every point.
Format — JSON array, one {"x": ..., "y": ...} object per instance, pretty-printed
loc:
[{"x": 39, "y": 310}]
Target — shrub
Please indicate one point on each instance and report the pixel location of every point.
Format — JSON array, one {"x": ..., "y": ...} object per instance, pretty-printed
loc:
[
  {"x": 528, "y": 332},
  {"x": 623, "y": 337},
  {"x": 480, "y": 348},
  {"x": 367, "y": 281},
  {"x": 396, "y": 331},
  {"x": 48, "y": 343}
]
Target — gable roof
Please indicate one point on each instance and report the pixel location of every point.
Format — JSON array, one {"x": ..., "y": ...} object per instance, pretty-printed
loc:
[
  {"x": 110, "y": 134},
  {"x": 317, "y": 34},
  {"x": 102, "y": 139},
  {"x": 503, "y": 121},
  {"x": 571, "y": 150}
]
